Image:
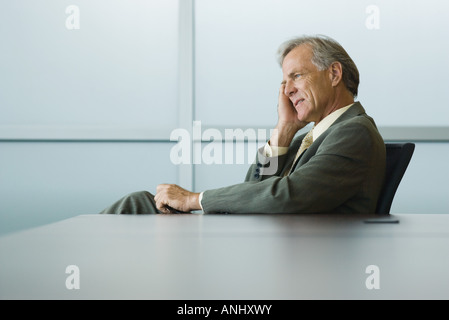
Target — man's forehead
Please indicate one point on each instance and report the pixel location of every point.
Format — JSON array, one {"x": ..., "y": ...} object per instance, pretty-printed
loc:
[{"x": 299, "y": 57}]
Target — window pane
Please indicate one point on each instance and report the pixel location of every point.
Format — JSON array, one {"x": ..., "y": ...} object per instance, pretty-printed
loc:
[
  {"x": 400, "y": 48},
  {"x": 118, "y": 68}
]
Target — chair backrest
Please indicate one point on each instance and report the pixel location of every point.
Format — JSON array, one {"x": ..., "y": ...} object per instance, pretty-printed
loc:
[{"x": 398, "y": 158}]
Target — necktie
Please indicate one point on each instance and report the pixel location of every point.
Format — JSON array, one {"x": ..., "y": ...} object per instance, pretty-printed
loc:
[{"x": 306, "y": 142}]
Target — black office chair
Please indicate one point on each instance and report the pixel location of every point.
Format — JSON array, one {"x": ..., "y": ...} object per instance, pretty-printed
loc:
[{"x": 398, "y": 158}]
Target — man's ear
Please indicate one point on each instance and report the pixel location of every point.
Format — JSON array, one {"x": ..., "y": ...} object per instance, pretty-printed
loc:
[{"x": 335, "y": 73}]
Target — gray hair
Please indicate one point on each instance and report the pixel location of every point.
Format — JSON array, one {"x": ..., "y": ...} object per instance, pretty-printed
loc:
[{"x": 325, "y": 52}]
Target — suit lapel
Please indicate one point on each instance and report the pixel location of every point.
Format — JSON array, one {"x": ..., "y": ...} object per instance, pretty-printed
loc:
[{"x": 356, "y": 110}]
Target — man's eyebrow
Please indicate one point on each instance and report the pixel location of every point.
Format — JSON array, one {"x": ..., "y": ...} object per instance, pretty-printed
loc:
[{"x": 290, "y": 75}]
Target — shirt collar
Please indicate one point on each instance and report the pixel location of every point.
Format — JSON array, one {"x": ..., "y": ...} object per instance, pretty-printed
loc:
[{"x": 324, "y": 124}]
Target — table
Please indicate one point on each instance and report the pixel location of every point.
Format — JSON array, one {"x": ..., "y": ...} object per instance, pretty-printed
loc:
[{"x": 214, "y": 257}]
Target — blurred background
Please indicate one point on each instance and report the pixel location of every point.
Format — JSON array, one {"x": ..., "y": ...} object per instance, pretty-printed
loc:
[{"x": 92, "y": 90}]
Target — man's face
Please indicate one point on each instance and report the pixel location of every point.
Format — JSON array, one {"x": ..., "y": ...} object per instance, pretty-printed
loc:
[{"x": 309, "y": 89}]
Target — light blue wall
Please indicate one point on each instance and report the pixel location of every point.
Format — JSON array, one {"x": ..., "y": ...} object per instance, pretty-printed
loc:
[
  {"x": 42, "y": 182},
  {"x": 118, "y": 68},
  {"x": 402, "y": 59},
  {"x": 424, "y": 186}
]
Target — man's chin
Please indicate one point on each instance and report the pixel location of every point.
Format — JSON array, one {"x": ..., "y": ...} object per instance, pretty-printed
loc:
[{"x": 302, "y": 118}]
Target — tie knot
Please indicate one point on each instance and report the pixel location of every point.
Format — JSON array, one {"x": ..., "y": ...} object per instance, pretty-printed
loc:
[
  {"x": 306, "y": 142},
  {"x": 308, "y": 139}
]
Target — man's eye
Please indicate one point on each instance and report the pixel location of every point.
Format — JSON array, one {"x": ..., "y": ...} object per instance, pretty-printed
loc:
[{"x": 297, "y": 76}]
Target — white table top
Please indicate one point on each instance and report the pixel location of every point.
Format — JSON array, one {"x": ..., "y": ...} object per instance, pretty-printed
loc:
[{"x": 197, "y": 256}]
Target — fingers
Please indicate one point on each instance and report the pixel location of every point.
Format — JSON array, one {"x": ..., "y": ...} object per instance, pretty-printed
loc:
[
  {"x": 170, "y": 198},
  {"x": 164, "y": 210},
  {"x": 161, "y": 198},
  {"x": 282, "y": 89},
  {"x": 282, "y": 96},
  {"x": 161, "y": 187}
]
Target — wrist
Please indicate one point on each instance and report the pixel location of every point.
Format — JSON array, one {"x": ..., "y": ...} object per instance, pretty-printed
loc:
[
  {"x": 194, "y": 201},
  {"x": 283, "y": 135}
]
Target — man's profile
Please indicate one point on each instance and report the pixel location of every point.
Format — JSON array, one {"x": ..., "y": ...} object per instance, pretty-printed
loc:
[{"x": 337, "y": 167}]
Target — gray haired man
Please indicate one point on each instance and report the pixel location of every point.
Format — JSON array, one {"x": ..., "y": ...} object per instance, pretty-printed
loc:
[{"x": 337, "y": 167}]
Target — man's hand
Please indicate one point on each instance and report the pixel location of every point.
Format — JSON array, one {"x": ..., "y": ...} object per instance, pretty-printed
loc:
[
  {"x": 288, "y": 122},
  {"x": 173, "y": 196}
]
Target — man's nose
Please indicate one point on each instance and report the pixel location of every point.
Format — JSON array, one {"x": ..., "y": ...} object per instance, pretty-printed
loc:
[{"x": 289, "y": 88}]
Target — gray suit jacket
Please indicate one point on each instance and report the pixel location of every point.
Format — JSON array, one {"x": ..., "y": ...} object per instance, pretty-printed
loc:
[{"x": 342, "y": 172}]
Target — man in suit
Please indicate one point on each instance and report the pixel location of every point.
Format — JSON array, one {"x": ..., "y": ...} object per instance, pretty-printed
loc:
[{"x": 339, "y": 166}]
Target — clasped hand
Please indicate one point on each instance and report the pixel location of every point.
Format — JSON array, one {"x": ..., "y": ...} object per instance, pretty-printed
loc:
[{"x": 171, "y": 198}]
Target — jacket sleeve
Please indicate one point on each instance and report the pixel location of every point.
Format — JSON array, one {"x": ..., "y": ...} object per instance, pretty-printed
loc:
[
  {"x": 331, "y": 172},
  {"x": 266, "y": 167}
]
